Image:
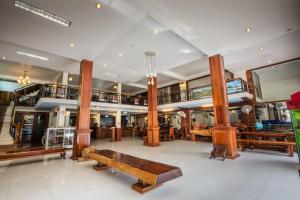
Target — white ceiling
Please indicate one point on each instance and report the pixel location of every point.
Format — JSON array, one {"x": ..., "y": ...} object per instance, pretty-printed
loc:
[{"x": 205, "y": 27}]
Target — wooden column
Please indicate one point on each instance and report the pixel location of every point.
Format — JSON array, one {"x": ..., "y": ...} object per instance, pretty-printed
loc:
[
  {"x": 251, "y": 88},
  {"x": 153, "y": 129},
  {"x": 82, "y": 132},
  {"x": 222, "y": 133}
]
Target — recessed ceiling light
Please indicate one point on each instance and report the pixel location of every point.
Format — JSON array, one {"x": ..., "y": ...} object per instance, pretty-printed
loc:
[
  {"x": 70, "y": 78},
  {"x": 120, "y": 54},
  {"x": 104, "y": 64},
  {"x": 269, "y": 61},
  {"x": 42, "y": 13},
  {"x": 185, "y": 51},
  {"x": 261, "y": 48},
  {"x": 72, "y": 44},
  {"x": 98, "y": 5},
  {"x": 247, "y": 30},
  {"x": 3, "y": 57},
  {"x": 155, "y": 31},
  {"x": 32, "y": 55}
]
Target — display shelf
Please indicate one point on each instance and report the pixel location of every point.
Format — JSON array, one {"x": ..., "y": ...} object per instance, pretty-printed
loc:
[{"x": 59, "y": 137}]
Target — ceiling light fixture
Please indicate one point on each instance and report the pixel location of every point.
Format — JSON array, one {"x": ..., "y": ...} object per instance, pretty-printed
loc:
[
  {"x": 247, "y": 30},
  {"x": 24, "y": 80},
  {"x": 72, "y": 44},
  {"x": 32, "y": 55},
  {"x": 185, "y": 51},
  {"x": 269, "y": 61},
  {"x": 3, "y": 57},
  {"x": 155, "y": 31},
  {"x": 42, "y": 13},
  {"x": 98, "y": 5},
  {"x": 111, "y": 74},
  {"x": 120, "y": 54},
  {"x": 261, "y": 48},
  {"x": 104, "y": 65},
  {"x": 167, "y": 109}
]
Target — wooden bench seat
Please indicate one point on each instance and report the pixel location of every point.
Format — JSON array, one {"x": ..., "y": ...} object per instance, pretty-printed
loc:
[
  {"x": 149, "y": 174},
  {"x": 248, "y": 143},
  {"x": 17, "y": 153}
]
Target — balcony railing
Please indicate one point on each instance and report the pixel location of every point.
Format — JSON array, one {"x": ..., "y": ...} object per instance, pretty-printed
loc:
[
  {"x": 72, "y": 92},
  {"x": 233, "y": 87}
]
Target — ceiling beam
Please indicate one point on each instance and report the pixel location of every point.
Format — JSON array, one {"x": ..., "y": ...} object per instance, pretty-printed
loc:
[
  {"x": 138, "y": 85},
  {"x": 174, "y": 75}
]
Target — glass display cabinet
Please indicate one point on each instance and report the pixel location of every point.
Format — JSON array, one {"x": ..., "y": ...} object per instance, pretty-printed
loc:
[{"x": 59, "y": 137}]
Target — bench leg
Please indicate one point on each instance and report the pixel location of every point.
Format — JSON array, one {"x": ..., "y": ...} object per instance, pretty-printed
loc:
[
  {"x": 142, "y": 187},
  {"x": 63, "y": 155},
  {"x": 291, "y": 150},
  {"x": 100, "y": 167}
]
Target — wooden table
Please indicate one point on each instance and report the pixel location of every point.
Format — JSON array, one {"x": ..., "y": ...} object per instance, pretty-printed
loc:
[
  {"x": 150, "y": 174},
  {"x": 16, "y": 153},
  {"x": 202, "y": 132},
  {"x": 286, "y": 136}
]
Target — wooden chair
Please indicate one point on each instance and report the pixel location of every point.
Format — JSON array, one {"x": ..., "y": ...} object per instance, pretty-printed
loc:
[
  {"x": 171, "y": 133},
  {"x": 219, "y": 150}
]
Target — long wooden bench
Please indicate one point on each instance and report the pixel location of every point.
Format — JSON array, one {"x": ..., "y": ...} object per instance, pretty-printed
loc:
[
  {"x": 11, "y": 153},
  {"x": 149, "y": 174},
  {"x": 249, "y": 143}
]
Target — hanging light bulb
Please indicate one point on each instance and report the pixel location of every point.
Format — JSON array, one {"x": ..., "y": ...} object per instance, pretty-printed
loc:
[
  {"x": 150, "y": 63},
  {"x": 24, "y": 79}
]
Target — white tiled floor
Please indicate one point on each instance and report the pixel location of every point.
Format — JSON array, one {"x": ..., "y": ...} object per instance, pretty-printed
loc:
[{"x": 254, "y": 175}]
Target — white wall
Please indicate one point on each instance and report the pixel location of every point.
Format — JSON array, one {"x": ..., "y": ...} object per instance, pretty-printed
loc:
[{"x": 280, "y": 90}]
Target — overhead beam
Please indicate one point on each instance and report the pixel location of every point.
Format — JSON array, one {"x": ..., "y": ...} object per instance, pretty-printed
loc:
[
  {"x": 138, "y": 85},
  {"x": 174, "y": 75}
]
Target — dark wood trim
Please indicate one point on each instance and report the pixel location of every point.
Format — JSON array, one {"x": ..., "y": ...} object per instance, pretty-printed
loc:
[{"x": 278, "y": 63}]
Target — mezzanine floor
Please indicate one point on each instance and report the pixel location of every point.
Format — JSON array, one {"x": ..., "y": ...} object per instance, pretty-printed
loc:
[{"x": 252, "y": 176}]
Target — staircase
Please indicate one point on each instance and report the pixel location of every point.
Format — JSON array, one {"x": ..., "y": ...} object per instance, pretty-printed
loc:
[
  {"x": 26, "y": 96},
  {"x": 5, "y": 137}
]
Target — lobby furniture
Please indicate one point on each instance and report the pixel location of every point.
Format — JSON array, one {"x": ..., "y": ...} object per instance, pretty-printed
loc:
[
  {"x": 115, "y": 134},
  {"x": 201, "y": 132},
  {"x": 219, "y": 150},
  {"x": 171, "y": 133},
  {"x": 150, "y": 174},
  {"x": 250, "y": 144},
  {"x": 10, "y": 152},
  {"x": 284, "y": 136}
]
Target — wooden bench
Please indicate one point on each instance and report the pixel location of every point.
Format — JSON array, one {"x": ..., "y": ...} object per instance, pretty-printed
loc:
[
  {"x": 149, "y": 174},
  {"x": 17, "y": 153},
  {"x": 249, "y": 143}
]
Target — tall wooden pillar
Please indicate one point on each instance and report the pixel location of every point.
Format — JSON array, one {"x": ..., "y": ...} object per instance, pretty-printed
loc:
[
  {"x": 82, "y": 132},
  {"x": 153, "y": 129},
  {"x": 251, "y": 88},
  {"x": 223, "y": 133}
]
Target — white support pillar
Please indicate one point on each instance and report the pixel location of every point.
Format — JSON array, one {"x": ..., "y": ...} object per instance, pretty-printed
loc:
[
  {"x": 118, "y": 119},
  {"x": 64, "y": 79},
  {"x": 97, "y": 119},
  {"x": 60, "y": 116}
]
